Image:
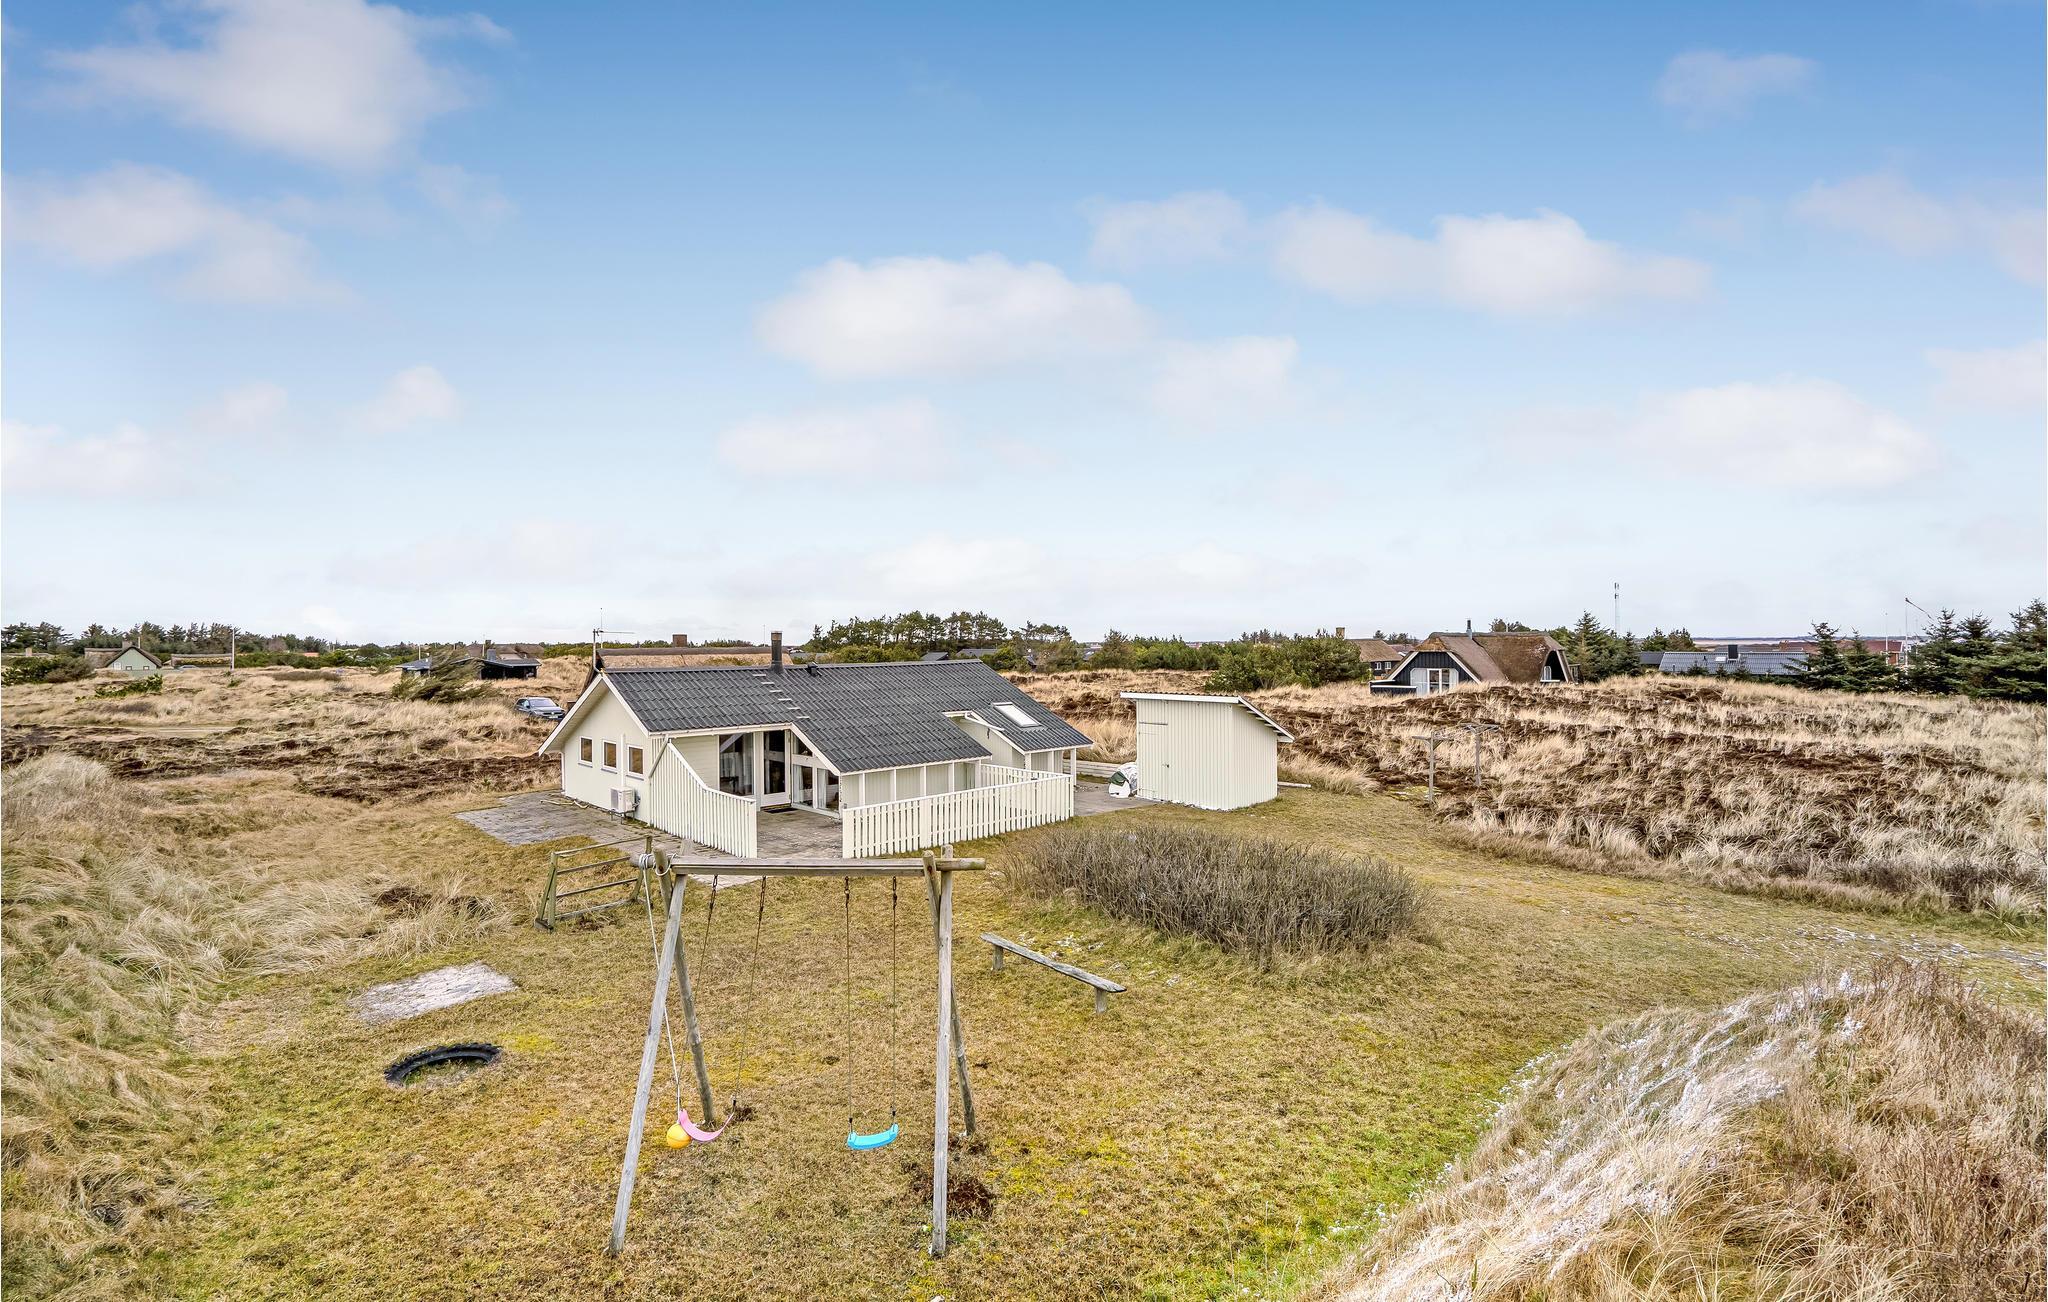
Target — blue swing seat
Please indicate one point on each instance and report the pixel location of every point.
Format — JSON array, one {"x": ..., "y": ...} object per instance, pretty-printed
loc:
[{"x": 880, "y": 1139}]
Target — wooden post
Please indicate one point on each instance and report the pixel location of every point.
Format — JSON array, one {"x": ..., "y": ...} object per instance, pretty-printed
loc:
[
  {"x": 1477, "y": 780},
  {"x": 941, "y": 1094},
  {"x": 671, "y": 949},
  {"x": 959, "y": 1040},
  {"x": 690, "y": 1020}
]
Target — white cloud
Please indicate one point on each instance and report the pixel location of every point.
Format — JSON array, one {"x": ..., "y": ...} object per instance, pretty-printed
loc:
[
  {"x": 1542, "y": 265},
  {"x": 1734, "y": 222},
  {"x": 473, "y": 200},
  {"x": 325, "y": 621},
  {"x": 47, "y": 460},
  {"x": 965, "y": 573},
  {"x": 1227, "y": 380},
  {"x": 418, "y": 395},
  {"x": 893, "y": 439},
  {"x": 2015, "y": 378},
  {"x": 935, "y": 316},
  {"x": 1707, "y": 86},
  {"x": 246, "y": 409},
  {"x": 1208, "y": 564},
  {"x": 132, "y": 214},
  {"x": 1890, "y": 210},
  {"x": 339, "y": 82},
  {"x": 1793, "y": 432},
  {"x": 1196, "y": 226}
]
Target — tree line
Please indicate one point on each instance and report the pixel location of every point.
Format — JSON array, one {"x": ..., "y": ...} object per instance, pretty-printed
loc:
[{"x": 1956, "y": 656}]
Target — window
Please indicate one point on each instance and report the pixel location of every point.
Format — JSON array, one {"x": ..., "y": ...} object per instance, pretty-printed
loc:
[
  {"x": 635, "y": 760},
  {"x": 736, "y": 764},
  {"x": 611, "y": 755},
  {"x": 585, "y": 753},
  {"x": 1440, "y": 680},
  {"x": 1016, "y": 716}
]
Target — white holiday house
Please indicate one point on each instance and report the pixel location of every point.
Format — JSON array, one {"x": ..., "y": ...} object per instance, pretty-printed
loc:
[{"x": 902, "y": 756}]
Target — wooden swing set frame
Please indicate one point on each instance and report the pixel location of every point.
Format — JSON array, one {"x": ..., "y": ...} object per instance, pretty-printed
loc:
[{"x": 673, "y": 964}]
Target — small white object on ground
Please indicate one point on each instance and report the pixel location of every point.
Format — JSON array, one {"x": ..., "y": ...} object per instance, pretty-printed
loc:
[
  {"x": 444, "y": 987},
  {"x": 1123, "y": 784}
]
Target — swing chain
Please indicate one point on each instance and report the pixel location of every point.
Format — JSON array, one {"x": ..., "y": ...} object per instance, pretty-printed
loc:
[
  {"x": 895, "y": 1040},
  {"x": 747, "y": 1009},
  {"x": 847, "y": 884}
]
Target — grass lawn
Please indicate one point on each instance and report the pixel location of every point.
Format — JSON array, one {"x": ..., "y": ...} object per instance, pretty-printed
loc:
[{"x": 1217, "y": 1131}]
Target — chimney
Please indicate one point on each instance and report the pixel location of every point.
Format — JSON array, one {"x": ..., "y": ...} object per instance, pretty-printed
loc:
[
  {"x": 775, "y": 652},
  {"x": 679, "y": 639},
  {"x": 1468, "y": 628},
  {"x": 1340, "y": 632}
]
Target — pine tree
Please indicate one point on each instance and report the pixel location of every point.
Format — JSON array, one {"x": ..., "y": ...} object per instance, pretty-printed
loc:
[
  {"x": 1824, "y": 668},
  {"x": 1864, "y": 670},
  {"x": 2018, "y": 671},
  {"x": 1933, "y": 667},
  {"x": 1115, "y": 652}
]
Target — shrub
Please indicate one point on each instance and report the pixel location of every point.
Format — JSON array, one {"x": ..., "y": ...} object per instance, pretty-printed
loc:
[
  {"x": 46, "y": 669},
  {"x": 149, "y": 686},
  {"x": 1253, "y": 896}
]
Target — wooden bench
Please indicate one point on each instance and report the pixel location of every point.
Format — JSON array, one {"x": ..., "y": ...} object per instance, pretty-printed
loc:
[{"x": 1104, "y": 987}]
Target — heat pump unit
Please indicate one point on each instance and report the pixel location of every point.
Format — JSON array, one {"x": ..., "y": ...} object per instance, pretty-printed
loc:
[{"x": 625, "y": 800}]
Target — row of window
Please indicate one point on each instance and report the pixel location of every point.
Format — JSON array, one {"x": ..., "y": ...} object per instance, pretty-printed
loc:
[{"x": 636, "y": 759}]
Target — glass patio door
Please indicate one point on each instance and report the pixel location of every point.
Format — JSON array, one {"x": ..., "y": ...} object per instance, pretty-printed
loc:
[{"x": 775, "y": 766}]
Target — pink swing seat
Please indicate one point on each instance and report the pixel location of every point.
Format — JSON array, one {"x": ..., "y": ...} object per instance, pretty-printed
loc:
[{"x": 695, "y": 1131}]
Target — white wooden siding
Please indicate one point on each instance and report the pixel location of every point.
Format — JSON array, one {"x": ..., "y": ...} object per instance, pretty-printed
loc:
[
  {"x": 1210, "y": 752},
  {"x": 606, "y": 721}
]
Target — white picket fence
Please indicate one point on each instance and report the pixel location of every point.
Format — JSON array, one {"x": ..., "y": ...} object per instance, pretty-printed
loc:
[
  {"x": 1011, "y": 799},
  {"x": 679, "y": 802}
]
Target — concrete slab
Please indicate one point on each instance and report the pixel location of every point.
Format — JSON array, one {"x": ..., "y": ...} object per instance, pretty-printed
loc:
[
  {"x": 444, "y": 987},
  {"x": 534, "y": 817},
  {"x": 1094, "y": 798}
]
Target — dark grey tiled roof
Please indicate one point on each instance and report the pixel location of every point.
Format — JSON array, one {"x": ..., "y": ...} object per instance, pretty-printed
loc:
[{"x": 859, "y": 716}]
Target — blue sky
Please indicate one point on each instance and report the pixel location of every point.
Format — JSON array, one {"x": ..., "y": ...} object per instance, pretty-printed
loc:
[{"x": 419, "y": 322}]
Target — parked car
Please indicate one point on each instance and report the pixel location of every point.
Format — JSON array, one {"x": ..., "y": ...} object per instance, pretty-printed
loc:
[{"x": 540, "y": 707}]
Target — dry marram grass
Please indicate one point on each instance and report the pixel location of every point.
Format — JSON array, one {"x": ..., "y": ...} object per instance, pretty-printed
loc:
[
  {"x": 1872, "y": 801},
  {"x": 126, "y": 909},
  {"x": 1860, "y": 1140}
]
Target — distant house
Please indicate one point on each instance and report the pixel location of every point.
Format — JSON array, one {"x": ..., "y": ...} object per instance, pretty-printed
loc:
[
  {"x": 130, "y": 659},
  {"x": 1442, "y": 661},
  {"x": 1733, "y": 658},
  {"x": 1379, "y": 655},
  {"x": 682, "y": 653},
  {"x": 491, "y": 661},
  {"x": 1893, "y": 649}
]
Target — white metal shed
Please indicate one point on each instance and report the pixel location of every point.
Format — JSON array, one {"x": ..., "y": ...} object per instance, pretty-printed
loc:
[{"x": 1213, "y": 752}]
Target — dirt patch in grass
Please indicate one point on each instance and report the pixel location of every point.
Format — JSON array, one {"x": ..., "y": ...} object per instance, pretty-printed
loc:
[{"x": 967, "y": 1194}]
